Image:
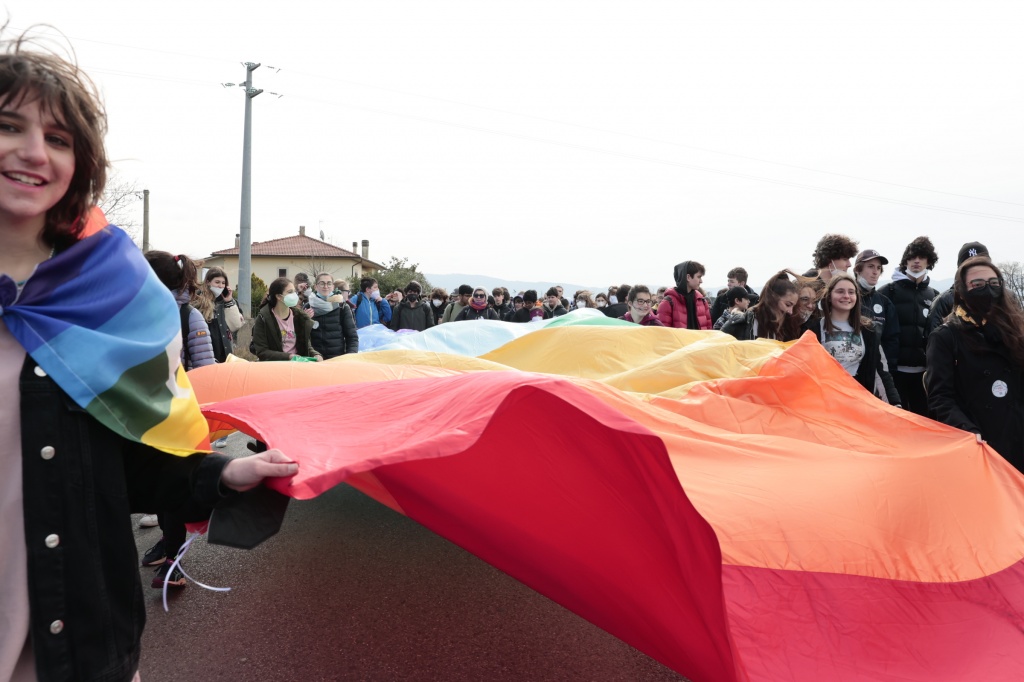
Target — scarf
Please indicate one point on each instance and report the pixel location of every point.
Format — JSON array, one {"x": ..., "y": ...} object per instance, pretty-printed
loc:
[
  {"x": 478, "y": 304},
  {"x": 962, "y": 313},
  {"x": 97, "y": 320}
]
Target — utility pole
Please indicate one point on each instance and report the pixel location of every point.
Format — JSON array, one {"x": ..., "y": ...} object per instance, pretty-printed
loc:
[
  {"x": 145, "y": 220},
  {"x": 244, "y": 284}
]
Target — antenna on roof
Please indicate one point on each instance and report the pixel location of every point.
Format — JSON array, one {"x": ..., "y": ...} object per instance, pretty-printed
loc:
[{"x": 322, "y": 235}]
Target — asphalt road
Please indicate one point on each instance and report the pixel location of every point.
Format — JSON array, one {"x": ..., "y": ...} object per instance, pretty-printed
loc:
[{"x": 350, "y": 590}]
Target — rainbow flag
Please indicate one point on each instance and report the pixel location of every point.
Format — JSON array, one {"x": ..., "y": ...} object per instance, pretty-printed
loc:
[
  {"x": 98, "y": 321},
  {"x": 736, "y": 510}
]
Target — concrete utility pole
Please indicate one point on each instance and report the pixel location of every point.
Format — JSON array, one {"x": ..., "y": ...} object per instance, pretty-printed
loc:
[
  {"x": 145, "y": 220},
  {"x": 244, "y": 284}
]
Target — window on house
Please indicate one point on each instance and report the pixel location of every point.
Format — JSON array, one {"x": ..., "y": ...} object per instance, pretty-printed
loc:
[{"x": 282, "y": 272}]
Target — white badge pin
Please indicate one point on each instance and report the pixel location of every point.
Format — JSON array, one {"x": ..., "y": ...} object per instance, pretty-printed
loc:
[
  {"x": 878, "y": 308},
  {"x": 999, "y": 389},
  {"x": 926, "y": 311}
]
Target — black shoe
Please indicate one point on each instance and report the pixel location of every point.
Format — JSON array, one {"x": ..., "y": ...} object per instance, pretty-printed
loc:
[
  {"x": 164, "y": 574},
  {"x": 155, "y": 555}
]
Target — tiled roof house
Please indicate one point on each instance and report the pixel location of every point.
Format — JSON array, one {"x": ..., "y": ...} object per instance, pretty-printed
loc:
[{"x": 288, "y": 256}]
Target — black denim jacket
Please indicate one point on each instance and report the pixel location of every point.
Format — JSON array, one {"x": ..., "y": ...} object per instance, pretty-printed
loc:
[{"x": 81, "y": 481}]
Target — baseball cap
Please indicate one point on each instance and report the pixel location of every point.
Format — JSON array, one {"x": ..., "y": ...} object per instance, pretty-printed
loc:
[
  {"x": 870, "y": 254},
  {"x": 970, "y": 250}
]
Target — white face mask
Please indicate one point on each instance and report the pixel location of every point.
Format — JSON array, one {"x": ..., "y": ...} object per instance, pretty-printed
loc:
[
  {"x": 436, "y": 302},
  {"x": 375, "y": 295},
  {"x": 581, "y": 303},
  {"x": 217, "y": 291},
  {"x": 601, "y": 304},
  {"x": 291, "y": 299},
  {"x": 917, "y": 274},
  {"x": 863, "y": 283},
  {"x": 613, "y": 299}
]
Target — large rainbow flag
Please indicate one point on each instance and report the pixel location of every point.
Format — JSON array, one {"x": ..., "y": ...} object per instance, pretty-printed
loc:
[
  {"x": 97, "y": 320},
  {"x": 736, "y": 510}
]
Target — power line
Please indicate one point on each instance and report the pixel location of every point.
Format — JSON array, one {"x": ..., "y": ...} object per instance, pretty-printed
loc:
[
  {"x": 660, "y": 141},
  {"x": 677, "y": 164}
]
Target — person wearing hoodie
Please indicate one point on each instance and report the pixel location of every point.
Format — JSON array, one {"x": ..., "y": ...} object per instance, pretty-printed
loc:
[
  {"x": 880, "y": 310},
  {"x": 976, "y": 361},
  {"x": 478, "y": 309},
  {"x": 684, "y": 306},
  {"x": 334, "y": 329},
  {"x": 370, "y": 309},
  {"x": 913, "y": 297},
  {"x": 412, "y": 313},
  {"x": 944, "y": 303}
]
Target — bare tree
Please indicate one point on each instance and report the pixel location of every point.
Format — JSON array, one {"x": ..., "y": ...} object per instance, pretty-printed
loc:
[
  {"x": 121, "y": 204},
  {"x": 1013, "y": 276}
]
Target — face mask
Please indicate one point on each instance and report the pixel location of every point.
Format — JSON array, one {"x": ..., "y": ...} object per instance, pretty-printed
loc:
[
  {"x": 581, "y": 303},
  {"x": 436, "y": 302},
  {"x": 601, "y": 304},
  {"x": 216, "y": 291},
  {"x": 291, "y": 299},
  {"x": 613, "y": 299},
  {"x": 916, "y": 274},
  {"x": 832, "y": 269},
  {"x": 863, "y": 283},
  {"x": 412, "y": 298},
  {"x": 979, "y": 301},
  {"x": 805, "y": 315},
  {"x": 375, "y": 295}
]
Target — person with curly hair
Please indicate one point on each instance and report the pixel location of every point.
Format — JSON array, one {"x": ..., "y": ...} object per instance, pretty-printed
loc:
[
  {"x": 914, "y": 298},
  {"x": 833, "y": 254}
]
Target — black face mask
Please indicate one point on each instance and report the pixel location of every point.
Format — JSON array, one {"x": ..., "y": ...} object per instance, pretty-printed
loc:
[
  {"x": 412, "y": 297},
  {"x": 979, "y": 301}
]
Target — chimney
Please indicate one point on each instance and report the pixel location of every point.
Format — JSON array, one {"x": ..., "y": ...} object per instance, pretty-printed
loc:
[
  {"x": 355, "y": 248},
  {"x": 238, "y": 242},
  {"x": 366, "y": 249},
  {"x": 302, "y": 230}
]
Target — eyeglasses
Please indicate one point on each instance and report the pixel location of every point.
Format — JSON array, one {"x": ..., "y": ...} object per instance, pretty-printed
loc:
[
  {"x": 479, "y": 295},
  {"x": 643, "y": 302},
  {"x": 978, "y": 283},
  {"x": 325, "y": 284}
]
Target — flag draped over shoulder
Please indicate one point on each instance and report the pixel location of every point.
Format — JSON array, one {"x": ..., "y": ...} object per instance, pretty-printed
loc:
[
  {"x": 97, "y": 320},
  {"x": 736, "y": 510}
]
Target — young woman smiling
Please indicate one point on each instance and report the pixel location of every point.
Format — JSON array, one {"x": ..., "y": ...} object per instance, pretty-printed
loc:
[{"x": 850, "y": 338}]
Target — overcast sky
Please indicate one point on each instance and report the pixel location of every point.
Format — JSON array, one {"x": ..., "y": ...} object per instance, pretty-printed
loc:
[{"x": 589, "y": 142}]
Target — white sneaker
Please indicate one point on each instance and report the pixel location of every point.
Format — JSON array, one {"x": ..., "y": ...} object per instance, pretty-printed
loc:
[
  {"x": 221, "y": 442},
  {"x": 149, "y": 521}
]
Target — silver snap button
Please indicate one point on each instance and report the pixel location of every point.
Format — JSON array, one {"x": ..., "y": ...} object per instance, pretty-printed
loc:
[
  {"x": 52, "y": 540},
  {"x": 57, "y": 627},
  {"x": 47, "y": 453},
  {"x": 40, "y": 372}
]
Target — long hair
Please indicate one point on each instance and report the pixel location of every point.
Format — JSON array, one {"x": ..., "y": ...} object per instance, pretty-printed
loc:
[
  {"x": 64, "y": 91},
  {"x": 770, "y": 322},
  {"x": 275, "y": 289},
  {"x": 204, "y": 301},
  {"x": 178, "y": 273},
  {"x": 857, "y": 321},
  {"x": 1005, "y": 315}
]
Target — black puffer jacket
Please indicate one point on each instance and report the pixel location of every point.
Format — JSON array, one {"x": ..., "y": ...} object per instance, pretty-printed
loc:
[
  {"x": 417, "y": 318},
  {"x": 334, "y": 333},
  {"x": 913, "y": 301},
  {"x": 973, "y": 384}
]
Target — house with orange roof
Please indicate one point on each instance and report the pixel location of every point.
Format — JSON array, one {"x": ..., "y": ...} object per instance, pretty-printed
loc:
[{"x": 288, "y": 256}]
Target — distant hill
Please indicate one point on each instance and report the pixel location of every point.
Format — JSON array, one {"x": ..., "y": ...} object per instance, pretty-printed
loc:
[{"x": 449, "y": 282}]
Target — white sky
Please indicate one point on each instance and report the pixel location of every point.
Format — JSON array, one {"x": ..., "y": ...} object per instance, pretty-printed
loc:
[{"x": 590, "y": 142}]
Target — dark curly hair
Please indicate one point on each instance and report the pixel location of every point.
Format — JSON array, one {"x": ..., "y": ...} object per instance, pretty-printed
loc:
[
  {"x": 833, "y": 246},
  {"x": 922, "y": 246}
]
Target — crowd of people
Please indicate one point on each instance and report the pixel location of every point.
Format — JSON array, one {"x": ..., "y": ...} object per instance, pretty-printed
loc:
[{"x": 956, "y": 356}]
